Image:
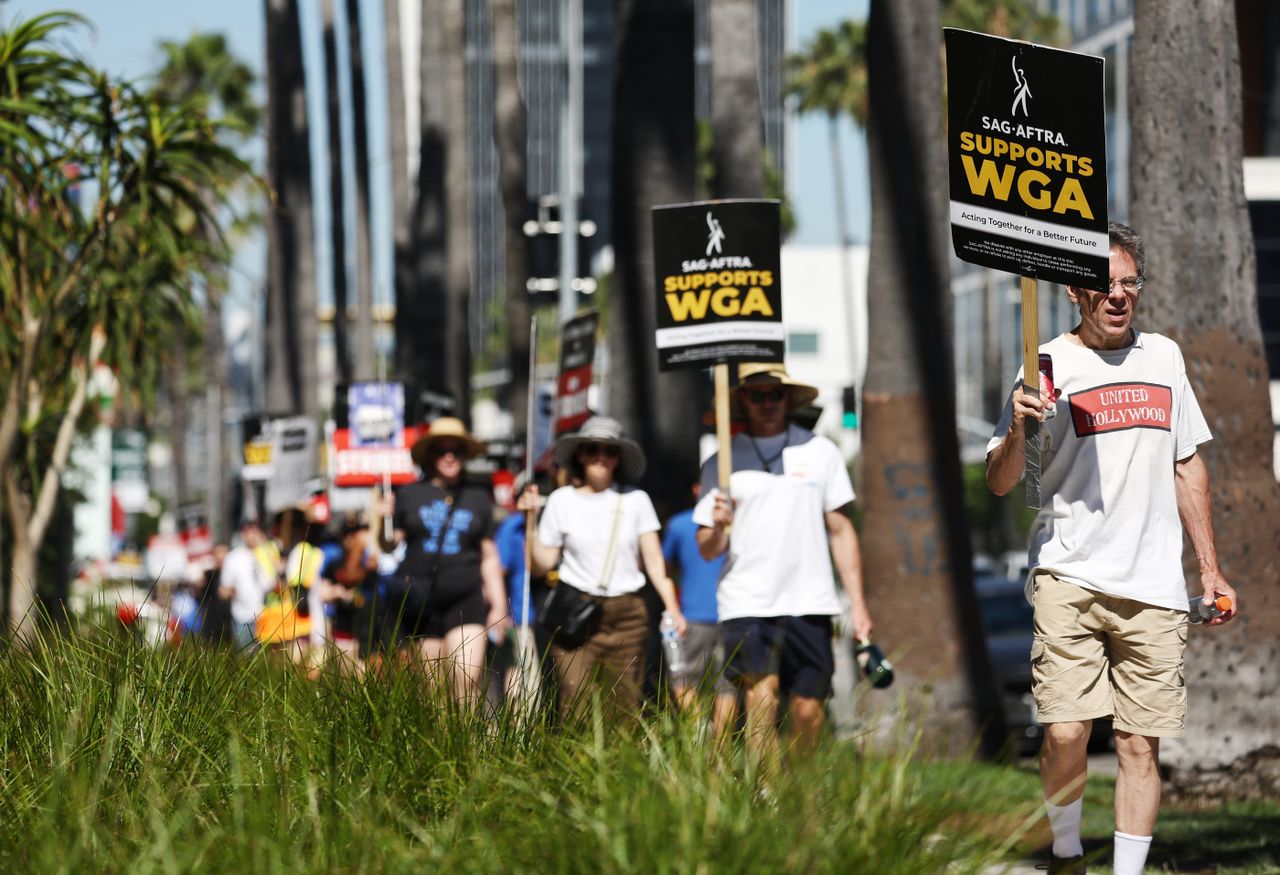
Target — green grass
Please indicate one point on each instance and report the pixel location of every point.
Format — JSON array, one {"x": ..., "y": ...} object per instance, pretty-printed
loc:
[{"x": 120, "y": 758}]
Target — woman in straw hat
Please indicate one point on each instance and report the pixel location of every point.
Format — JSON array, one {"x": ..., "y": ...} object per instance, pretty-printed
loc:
[
  {"x": 601, "y": 532},
  {"x": 454, "y": 593}
]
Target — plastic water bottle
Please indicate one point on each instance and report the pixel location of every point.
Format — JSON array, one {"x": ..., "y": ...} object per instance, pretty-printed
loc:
[
  {"x": 1199, "y": 612},
  {"x": 875, "y": 667},
  {"x": 672, "y": 646}
]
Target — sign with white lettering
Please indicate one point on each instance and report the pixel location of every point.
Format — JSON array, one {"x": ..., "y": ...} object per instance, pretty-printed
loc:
[
  {"x": 294, "y": 444},
  {"x": 577, "y": 356},
  {"x": 376, "y": 442},
  {"x": 719, "y": 274},
  {"x": 1027, "y": 144}
]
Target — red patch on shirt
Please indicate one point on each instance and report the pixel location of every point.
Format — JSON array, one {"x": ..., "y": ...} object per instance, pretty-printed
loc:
[{"x": 1121, "y": 406}]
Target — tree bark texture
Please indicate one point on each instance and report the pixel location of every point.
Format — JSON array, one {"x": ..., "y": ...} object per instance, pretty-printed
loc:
[
  {"x": 653, "y": 163},
  {"x": 737, "y": 123},
  {"x": 399, "y": 146},
  {"x": 364, "y": 365},
  {"x": 291, "y": 378},
  {"x": 458, "y": 206},
  {"x": 1188, "y": 201},
  {"x": 421, "y": 330},
  {"x": 916, "y": 550},
  {"x": 175, "y": 381},
  {"x": 509, "y": 129},
  {"x": 337, "y": 198},
  {"x": 29, "y": 519}
]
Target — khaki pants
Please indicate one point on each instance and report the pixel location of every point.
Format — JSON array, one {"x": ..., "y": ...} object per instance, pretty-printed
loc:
[{"x": 613, "y": 658}]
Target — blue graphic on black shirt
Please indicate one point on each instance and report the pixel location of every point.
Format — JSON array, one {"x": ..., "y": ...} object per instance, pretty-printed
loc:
[{"x": 433, "y": 517}]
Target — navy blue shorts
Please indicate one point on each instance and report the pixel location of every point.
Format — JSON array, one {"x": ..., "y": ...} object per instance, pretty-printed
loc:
[{"x": 797, "y": 649}]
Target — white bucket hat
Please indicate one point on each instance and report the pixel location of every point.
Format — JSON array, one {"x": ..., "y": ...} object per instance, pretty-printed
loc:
[{"x": 603, "y": 430}]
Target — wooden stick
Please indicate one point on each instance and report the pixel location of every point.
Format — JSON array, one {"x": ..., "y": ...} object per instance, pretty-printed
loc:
[
  {"x": 724, "y": 453},
  {"x": 1031, "y": 385}
]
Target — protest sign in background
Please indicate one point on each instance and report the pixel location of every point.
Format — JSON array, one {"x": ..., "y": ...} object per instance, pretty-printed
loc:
[
  {"x": 1027, "y": 150},
  {"x": 719, "y": 294},
  {"x": 577, "y": 355},
  {"x": 372, "y": 441}
]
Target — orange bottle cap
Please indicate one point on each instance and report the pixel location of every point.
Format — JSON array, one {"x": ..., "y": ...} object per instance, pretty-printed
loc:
[{"x": 1223, "y": 603}]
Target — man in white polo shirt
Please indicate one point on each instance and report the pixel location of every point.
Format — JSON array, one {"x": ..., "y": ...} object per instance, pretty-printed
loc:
[
  {"x": 1121, "y": 478},
  {"x": 776, "y": 596}
]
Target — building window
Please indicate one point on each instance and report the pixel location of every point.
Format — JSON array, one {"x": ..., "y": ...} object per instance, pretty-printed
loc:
[{"x": 802, "y": 342}]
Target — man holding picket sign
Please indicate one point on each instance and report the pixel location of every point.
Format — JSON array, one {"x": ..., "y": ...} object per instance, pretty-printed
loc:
[
  {"x": 1106, "y": 433},
  {"x": 784, "y": 509},
  {"x": 773, "y": 498}
]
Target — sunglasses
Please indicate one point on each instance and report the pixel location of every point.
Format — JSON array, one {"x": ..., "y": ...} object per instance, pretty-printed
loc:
[
  {"x": 442, "y": 450},
  {"x": 591, "y": 448},
  {"x": 766, "y": 396}
]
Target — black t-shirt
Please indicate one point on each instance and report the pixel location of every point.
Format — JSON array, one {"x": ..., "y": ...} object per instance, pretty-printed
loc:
[{"x": 421, "y": 511}]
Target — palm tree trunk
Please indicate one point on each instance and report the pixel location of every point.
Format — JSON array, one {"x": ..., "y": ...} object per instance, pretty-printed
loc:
[
  {"x": 509, "y": 126},
  {"x": 737, "y": 124},
  {"x": 291, "y": 381},
  {"x": 337, "y": 198},
  {"x": 399, "y": 146},
  {"x": 916, "y": 541},
  {"x": 653, "y": 163},
  {"x": 215, "y": 382},
  {"x": 421, "y": 329},
  {"x": 175, "y": 379},
  {"x": 364, "y": 369},
  {"x": 457, "y": 205},
  {"x": 1188, "y": 201}
]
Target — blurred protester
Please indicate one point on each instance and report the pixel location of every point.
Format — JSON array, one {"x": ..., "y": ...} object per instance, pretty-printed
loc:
[
  {"x": 453, "y": 589},
  {"x": 215, "y": 611},
  {"x": 600, "y": 533},
  {"x": 346, "y": 587},
  {"x": 703, "y": 669},
  {"x": 285, "y": 622},
  {"x": 776, "y": 596},
  {"x": 245, "y": 581}
]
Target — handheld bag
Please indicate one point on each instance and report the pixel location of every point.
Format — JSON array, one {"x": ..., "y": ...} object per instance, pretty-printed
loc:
[{"x": 570, "y": 615}]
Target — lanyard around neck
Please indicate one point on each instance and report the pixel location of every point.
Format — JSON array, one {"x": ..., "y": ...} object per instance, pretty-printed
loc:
[{"x": 767, "y": 464}]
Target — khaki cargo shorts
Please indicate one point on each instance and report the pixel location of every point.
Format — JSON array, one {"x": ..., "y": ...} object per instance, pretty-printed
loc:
[{"x": 1096, "y": 655}]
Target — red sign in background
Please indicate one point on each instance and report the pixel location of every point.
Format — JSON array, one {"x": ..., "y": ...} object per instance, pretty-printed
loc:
[
  {"x": 367, "y": 466},
  {"x": 1121, "y": 406},
  {"x": 571, "y": 398}
]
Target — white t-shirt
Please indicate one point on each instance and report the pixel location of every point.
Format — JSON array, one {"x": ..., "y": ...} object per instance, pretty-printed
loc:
[
  {"x": 779, "y": 564},
  {"x": 581, "y": 522},
  {"x": 1109, "y": 517},
  {"x": 242, "y": 572}
]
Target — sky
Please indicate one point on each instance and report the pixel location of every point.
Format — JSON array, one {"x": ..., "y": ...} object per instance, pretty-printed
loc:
[{"x": 124, "y": 41}]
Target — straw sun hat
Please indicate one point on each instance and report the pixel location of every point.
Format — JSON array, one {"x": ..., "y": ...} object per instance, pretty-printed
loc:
[
  {"x": 446, "y": 427},
  {"x": 603, "y": 430},
  {"x": 758, "y": 374}
]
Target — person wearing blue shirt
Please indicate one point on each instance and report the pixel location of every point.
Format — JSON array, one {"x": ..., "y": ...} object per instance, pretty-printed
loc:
[
  {"x": 703, "y": 648},
  {"x": 522, "y": 644}
]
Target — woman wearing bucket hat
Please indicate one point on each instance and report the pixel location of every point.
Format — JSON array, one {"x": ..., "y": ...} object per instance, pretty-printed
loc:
[
  {"x": 453, "y": 588},
  {"x": 601, "y": 532}
]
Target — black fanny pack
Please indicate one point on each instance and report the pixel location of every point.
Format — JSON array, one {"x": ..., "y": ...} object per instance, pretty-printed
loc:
[{"x": 569, "y": 615}]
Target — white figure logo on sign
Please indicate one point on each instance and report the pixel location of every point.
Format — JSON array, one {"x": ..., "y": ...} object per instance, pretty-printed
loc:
[
  {"x": 716, "y": 237},
  {"x": 1022, "y": 89}
]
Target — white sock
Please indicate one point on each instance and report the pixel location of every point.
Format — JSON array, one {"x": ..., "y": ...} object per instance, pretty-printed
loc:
[
  {"x": 1131, "y": 854},
  {"x": 1064, "y": 820}
]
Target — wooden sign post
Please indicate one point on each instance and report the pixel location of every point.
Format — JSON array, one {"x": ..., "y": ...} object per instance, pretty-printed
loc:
[
  {"x": 1031, "y": 385},
  {"x": 724, "y": 451}
]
